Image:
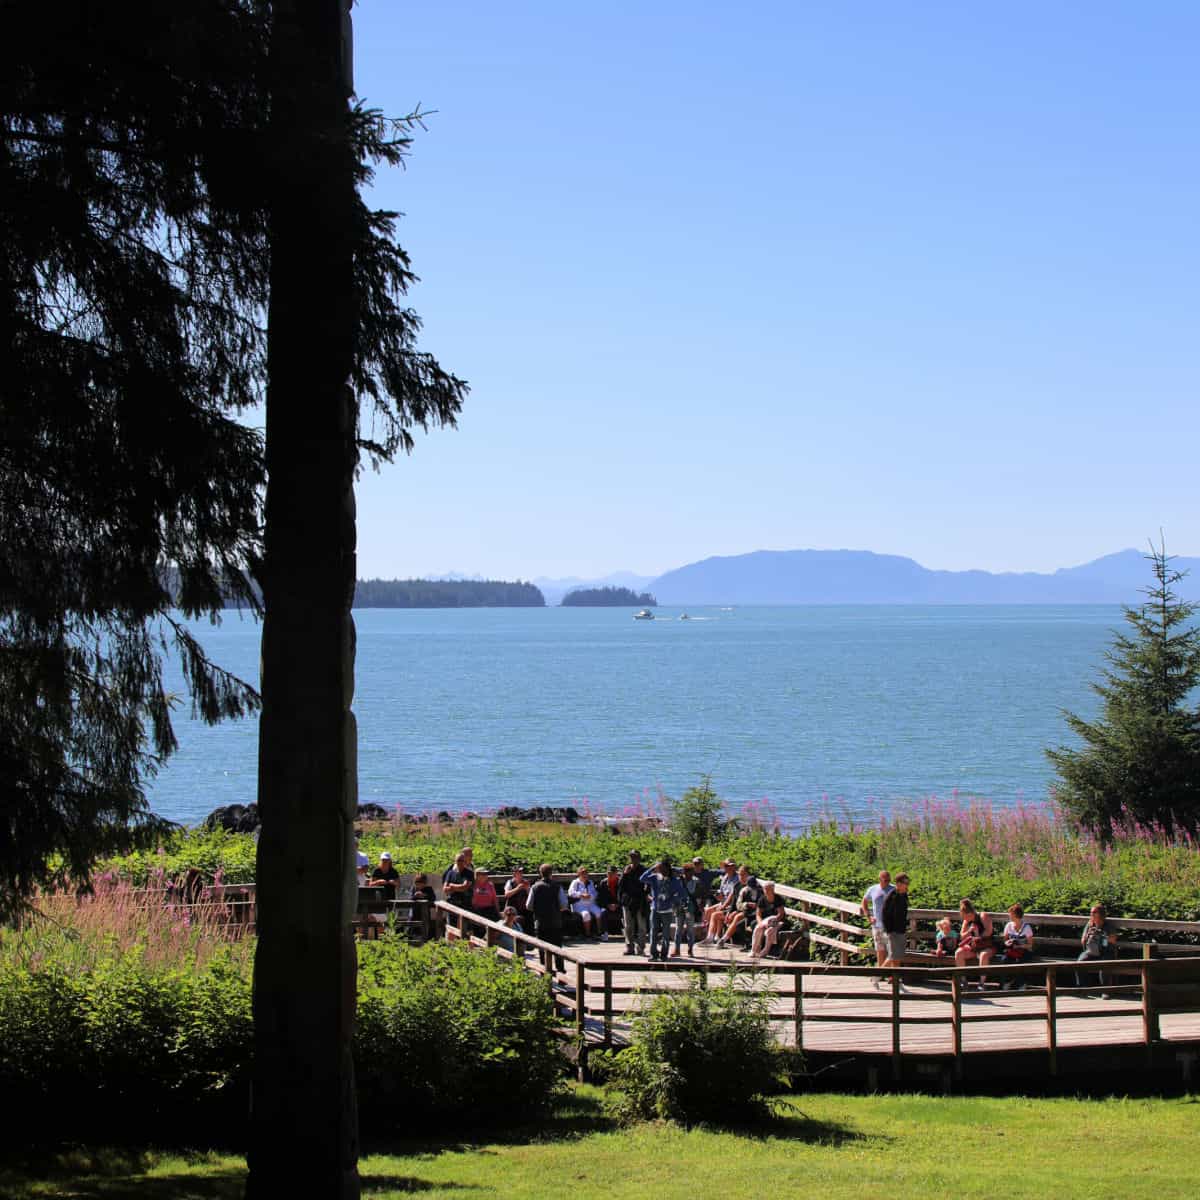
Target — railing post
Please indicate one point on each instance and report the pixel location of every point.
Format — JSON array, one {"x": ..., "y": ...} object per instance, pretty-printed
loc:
[
  {"x": 896, "y": 1026},
  {"x": 1052, "y": 1017},
  {"x": 580, "y": 1004},
  {"x": 1150, "y": 1032},
  {"x": 845, "y": 953},
  {"x": 608, "y": 1006},
  {"x": 956, "y": 1023},
  {"x": 798, "y": 1007}
]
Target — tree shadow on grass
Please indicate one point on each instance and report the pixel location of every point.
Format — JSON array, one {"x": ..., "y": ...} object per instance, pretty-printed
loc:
[
  {"x": 794, "y": 1125},
  {"x": 115, "y": 1174},
  {"x": 371, "y": 1184},
  {"x": 573, "y": 1116}
]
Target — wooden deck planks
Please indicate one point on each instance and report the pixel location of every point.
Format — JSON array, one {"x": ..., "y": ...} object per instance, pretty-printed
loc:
[{"x": 864, "y": 1026}]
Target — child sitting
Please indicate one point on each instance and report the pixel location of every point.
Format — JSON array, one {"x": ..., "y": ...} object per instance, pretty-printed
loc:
[{"x": 947, "y": 939}]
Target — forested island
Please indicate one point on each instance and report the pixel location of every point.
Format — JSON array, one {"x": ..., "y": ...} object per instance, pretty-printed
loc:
[
  {"x": 607, "y": 597},
  {"x": 446, "y": 593}
]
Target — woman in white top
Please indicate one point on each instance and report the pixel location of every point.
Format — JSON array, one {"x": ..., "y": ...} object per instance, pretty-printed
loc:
[
  {"x": 582, "y": 895},
  {"x": 1018, "y": 943}
]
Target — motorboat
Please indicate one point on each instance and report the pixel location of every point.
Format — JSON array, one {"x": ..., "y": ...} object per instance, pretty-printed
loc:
[{"x": 644, "y": 615}]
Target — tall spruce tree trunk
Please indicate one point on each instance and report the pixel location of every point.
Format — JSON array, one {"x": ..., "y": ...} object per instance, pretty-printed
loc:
[{"x": 304, "y": 1123}]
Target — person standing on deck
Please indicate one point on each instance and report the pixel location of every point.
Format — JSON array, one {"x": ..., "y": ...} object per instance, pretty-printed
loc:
[
  {"x": 546, "y": 910},
  {"x": 872, "y": 909},
  {"x": 516, "y": 891},
  {"x": 666, "y": 893},
  {"x": 895, "y": 925},
  {"x": 458, "y": 882},
  {"x": 685, "y": 911},
  {"x": 704, "y": 884},
  {"x": 634, "y": 914},
  {"x": 362, "y": 860},
  {"x": 385, "y": 876}
]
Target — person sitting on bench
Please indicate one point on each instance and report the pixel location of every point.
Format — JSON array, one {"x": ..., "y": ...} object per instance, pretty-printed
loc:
[
  {"x": 746, "y": 908},
  {"x": 1018, "y": 944},
  {"x": 1096, "y": 942},
  {"x": 718, "y": 913},
  {"x": 582, "y": 894},
  {"x": 974, "y": 939},
  {"x": 770, "y": 918},
  {"x": 608, "y": 897}
]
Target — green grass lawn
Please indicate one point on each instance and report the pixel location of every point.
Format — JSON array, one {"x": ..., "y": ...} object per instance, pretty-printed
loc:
[{"x": 829, "y": 1146}]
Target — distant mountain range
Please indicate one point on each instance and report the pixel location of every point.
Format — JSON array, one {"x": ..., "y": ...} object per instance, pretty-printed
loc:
[{"x": 861, "y": 577}]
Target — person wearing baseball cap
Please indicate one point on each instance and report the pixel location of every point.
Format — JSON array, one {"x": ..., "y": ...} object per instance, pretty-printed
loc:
[
  {"x": 704, "y": 884},
  {"x": 385, "y": 875}
]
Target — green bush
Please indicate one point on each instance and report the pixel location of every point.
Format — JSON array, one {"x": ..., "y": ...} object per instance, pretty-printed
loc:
[
  {"x": 444, "y": 1030},
  {"x": 703, "y": 1055},
  {"x": 124, "y": 1049},
  {"x": 132, "y": 1050}
]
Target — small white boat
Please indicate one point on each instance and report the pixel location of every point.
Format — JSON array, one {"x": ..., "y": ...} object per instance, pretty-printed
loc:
[
  {"x": 685, "y": 617},
  {"x": 644, "y": 615}
]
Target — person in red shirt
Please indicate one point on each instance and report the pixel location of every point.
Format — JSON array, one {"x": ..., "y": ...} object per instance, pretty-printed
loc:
[{"x": 483, "y": 899}]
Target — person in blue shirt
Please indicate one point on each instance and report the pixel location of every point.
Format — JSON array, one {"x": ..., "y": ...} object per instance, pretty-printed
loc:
[
  {"x": 685, "y": 912},
  {"x": 666, "y": 894}
]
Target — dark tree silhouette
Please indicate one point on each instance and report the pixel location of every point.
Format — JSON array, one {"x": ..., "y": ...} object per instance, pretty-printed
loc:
[
  {"x": 607, "y": 597},
  {"x": 446, "y": 593},
  {"x": 128, "y": 345},
  {"x": 1140, "y": 761},
  {"x": 156, "y": 162}
]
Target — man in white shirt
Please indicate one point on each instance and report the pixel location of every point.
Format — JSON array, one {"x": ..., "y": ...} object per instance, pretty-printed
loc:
[
  {"x": 872, "y": 908},
  {"x": 364, "y": 864}
]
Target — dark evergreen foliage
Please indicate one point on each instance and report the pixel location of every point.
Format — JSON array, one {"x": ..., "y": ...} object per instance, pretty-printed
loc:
[
  {"x": 1140, "y": 761},
  {"x": 446, "y": 593},
  {"x": 134, "y": 174},
  {"x": 607, "y": 597}
]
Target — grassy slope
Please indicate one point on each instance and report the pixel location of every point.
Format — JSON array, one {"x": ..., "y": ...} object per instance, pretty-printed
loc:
[{"x": 837, "y": 1146}]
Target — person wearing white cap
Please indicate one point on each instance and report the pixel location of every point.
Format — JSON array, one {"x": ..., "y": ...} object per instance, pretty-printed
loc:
[{"x": 385, "y": 875}]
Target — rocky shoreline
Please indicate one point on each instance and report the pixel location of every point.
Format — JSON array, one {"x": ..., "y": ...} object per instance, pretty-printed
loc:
[{"x": 244, "y": 818}]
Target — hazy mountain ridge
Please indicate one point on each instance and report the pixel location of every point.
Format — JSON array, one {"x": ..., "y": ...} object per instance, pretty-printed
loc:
[{"x": 863, "y": 577}]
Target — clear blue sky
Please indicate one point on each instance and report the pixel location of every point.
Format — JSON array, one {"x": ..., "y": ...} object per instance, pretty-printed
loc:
[{"x": 914, "y": 278}]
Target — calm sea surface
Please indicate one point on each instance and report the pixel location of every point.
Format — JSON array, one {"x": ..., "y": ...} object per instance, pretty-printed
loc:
[{"x": 847, "y": 709}]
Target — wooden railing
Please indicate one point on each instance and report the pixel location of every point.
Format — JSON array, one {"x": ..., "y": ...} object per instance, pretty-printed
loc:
[
  {"x": 821, "y": 916},
  {"x": 587, "y": 989},
  {"x": 1147, "y": 932}
]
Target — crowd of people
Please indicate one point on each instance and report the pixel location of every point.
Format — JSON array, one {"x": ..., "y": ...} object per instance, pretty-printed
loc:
[
  {"x": 658, "y": 909},
  {"x": 885, "y": 906}
]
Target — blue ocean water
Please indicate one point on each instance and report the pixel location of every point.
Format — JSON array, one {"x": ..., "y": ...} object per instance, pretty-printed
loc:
[{"x": 840, "y": 709}]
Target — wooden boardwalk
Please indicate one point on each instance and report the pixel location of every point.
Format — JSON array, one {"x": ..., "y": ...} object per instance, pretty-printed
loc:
[
  {"x": 845, "y": 1013},
  {"x": 926, "y": 1019}
]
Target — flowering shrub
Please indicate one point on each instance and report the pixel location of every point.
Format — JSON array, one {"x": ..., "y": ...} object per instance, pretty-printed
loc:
[
  {"x": 105, "y": 1037},
  {"x": 952, "y": 848}
]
